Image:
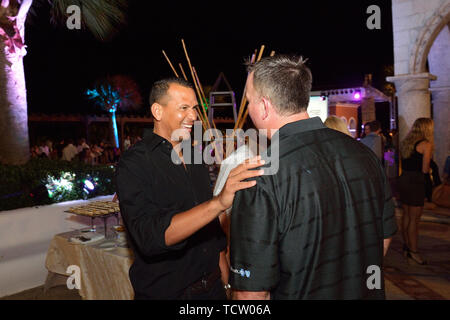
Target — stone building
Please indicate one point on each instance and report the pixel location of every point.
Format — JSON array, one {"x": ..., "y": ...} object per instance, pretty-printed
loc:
[{"x": 422, "y": 67}]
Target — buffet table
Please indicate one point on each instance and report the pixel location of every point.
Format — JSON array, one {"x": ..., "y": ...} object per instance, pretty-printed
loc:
[{"x": 103, "y": 264}]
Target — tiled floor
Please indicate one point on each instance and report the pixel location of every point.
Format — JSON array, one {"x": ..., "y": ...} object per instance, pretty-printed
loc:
[{"x": 415, "y": 282}]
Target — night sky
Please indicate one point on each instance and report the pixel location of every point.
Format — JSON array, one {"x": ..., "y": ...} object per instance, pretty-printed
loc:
[{"x": 61, "y": 64}]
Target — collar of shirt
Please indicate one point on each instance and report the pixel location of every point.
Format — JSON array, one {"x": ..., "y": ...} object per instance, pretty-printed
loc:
[
  {"x": 152, "y": 140},
  {"x": 301, "y": 126}
]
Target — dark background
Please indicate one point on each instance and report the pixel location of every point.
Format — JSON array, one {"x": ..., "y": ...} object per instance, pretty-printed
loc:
[{"x": 61, "y": 64}]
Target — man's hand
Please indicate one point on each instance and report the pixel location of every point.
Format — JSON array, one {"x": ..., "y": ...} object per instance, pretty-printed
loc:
[
  {"x": 235, "y": 181},
  {"x": 186, "y": 223}
]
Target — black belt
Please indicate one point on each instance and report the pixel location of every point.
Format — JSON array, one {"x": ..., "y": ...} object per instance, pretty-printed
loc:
[{"x": 205, "y": 283}]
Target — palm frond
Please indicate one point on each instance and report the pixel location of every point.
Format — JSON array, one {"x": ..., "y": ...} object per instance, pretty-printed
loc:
[
  {"x": 103, "y": 18},
  {"x": 119, "y": 92}
]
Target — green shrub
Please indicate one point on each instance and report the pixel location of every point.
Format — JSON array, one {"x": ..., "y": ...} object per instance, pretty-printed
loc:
[{"x": 42, "y": 181}]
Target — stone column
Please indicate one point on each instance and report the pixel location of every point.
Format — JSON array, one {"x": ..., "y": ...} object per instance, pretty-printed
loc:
[
  {"x": 441, "y": 114},
  {"x": 413, "y": 99},
  {"x": 439, "y": 64}
]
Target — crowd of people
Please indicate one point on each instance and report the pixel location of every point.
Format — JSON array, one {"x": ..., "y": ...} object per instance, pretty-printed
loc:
[
  {"x": 69, "y": 150},
  {"x": 372, "y": 136},
  {"x": 419, "y": 174}
]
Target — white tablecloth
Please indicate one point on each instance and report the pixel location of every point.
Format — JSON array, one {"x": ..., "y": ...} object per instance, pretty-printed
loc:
[{"x": 104, "y": 272}]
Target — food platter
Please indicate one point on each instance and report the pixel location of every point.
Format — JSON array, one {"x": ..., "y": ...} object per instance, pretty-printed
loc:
[{"x": 96, "y": 209}]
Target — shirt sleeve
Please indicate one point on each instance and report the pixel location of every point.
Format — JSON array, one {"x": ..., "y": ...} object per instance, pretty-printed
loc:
[
  {"x": 254, "y": 241},
  {"x": 146, "y": 222},
  {"x": 389, "y": 221}
]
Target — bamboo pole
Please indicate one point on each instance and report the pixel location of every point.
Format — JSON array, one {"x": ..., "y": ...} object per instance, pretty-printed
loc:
[
  {"x": 244, "y": 99},
  {"x": 195, "y": 82},
  {"x": 197, "y": 79},
  {"x": 199, "y": 83},
  {"x": 200, "y": 115},
  {"x": 241, "y": 110},
  {"x": 182, "y": 71},
  {"x": 170, "y": 63},
  {"x": 202, "y": 92},
  {"x": 197, "y": 108},
  {"x": 260, "y": 52},
  {"x": 199, "y": 94},
  {"x": 198, "y": 86},
  {"x": 244, "y": 118}
]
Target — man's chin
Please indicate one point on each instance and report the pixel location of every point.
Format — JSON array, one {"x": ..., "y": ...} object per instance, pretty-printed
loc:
[
  {"x": 181, "y": 134},
  {"x": 183, "y": 138}
]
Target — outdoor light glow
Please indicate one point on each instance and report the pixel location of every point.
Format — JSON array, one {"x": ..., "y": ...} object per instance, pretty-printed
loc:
[
  {"x": 357, "y": 95},
  {"x": 89, "y": 185},
  {"x": 116, "y": 134},
  {"x": 57, "y": 187},
  {"x": 109, "y": 99}
]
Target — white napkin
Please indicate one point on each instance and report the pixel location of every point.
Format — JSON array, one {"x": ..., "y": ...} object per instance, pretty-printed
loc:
[{"x": 231, "y": 162}]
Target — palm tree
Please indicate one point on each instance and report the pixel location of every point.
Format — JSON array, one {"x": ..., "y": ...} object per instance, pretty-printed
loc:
[
  {"x": 114, "y": 93},
  {"x": 101, "y": 17}
]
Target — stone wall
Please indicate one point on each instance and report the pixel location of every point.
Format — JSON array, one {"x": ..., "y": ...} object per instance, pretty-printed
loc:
[
  {"x": 409, "y": 18},
  {"x": 421, "y": 35}
]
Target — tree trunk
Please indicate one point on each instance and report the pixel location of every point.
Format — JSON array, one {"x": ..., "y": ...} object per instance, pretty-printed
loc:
[
  {"x": 114, "y": 135},
  {"x": 14, "y": 142}
]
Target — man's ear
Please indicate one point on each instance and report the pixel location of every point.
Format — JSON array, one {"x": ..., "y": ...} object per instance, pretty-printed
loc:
[
  {"x": 157, "y": 111},
  {"x": 266, "y": 108}
]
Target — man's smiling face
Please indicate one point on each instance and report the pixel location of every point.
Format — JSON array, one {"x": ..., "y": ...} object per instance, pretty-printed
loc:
[{"x": 178, "y": 112}]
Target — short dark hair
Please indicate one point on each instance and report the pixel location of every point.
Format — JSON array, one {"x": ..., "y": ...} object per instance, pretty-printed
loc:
[
  {"x": 159, "y": 88},
  {"x": 285, "y": 80},
  {"x": 374, "y": 125}
]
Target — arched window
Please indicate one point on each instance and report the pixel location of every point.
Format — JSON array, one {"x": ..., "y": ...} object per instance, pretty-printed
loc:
[{"x": 352, "y": 127}]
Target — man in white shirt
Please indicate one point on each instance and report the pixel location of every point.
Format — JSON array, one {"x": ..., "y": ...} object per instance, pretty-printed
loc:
[
  {"x": 82, "y": 145},
  {"x": 69, "y": 151}
]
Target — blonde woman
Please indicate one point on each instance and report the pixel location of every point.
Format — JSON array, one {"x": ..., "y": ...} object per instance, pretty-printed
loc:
[
  {"x": 337, "y": 124},
  {"x": 416, "y": 151}
]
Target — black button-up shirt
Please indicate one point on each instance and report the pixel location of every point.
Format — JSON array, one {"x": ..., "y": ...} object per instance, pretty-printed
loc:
[
  {"x": 313, "y": 229},
  {"x": 151, "y": 190}
]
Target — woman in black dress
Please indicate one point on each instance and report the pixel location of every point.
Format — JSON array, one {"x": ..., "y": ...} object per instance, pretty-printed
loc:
[{"x": 416, "y": 151}]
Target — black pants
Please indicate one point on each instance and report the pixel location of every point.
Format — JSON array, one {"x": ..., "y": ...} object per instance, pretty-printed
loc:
[{"x": 217, "y": 292}]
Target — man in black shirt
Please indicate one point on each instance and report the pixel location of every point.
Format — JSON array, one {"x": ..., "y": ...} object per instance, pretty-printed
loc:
[
  {"x": 318, "y": 227},
  {"x": 168, "y": 208}
]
